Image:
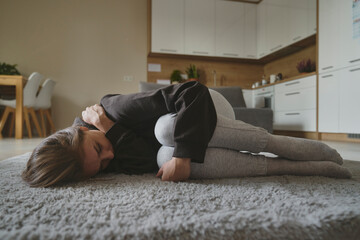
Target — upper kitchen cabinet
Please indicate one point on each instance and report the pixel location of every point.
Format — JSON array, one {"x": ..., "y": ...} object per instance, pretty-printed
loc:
[
  {"x": 230, "y": 29},
  {"x": 311, "y": 17},
  {"x": 276, "y": 24},
  {"x": 167, "y": 26},
  {"x": 351, "y": 52},
  {"x": 328, "y": 35},
  {"x": 336, "y": 29},
  {"x": 200, "y": 27},
  {"x": 298, "y": 20},
  {"x": 250, "y": 48},
  {"x": 262, "y": 49},
  {"x": 283, "y": 22}
]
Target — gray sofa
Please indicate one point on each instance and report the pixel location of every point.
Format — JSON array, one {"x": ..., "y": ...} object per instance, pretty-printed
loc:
[{"x": 260, "y": 117}]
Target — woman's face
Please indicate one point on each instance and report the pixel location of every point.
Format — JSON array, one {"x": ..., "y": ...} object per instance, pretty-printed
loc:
[{"x": 97, "y": 152}]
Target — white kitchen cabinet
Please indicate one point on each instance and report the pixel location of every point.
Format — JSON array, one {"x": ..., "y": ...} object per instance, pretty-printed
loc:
[
  {"x": 349, "y": 100},
  {"x": 250, "y": 50},
  {"x": 276, "y": 27},
  {"x": 200, "y": 27},
  {"x": 299, "y": 99},
  {"x": 339, "y": 97},
  {"x": 295, "y": 105},
  {"x": 230, "y": 23},
  {"x": 329, "y": 41},
  {"x": 311, "y": 17},
  {"x": 167, "y": 26},
  {"x": 349, "y": 54},
  {"x": 299, "y": 120},
  {"x": 337, "y": 46},
  {"x": 261, "y": 32},
  {"x": 297, "y": 20},
  {"x": 294, "y": 85},
  {"x": 329, "y": 102}
]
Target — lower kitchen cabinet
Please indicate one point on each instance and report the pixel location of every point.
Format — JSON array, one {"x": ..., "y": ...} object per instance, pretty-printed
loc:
[
  {"x": 300, "y": 120},
  {"x": 339, "y": 97},
  {"x": 295, "y": 105}
]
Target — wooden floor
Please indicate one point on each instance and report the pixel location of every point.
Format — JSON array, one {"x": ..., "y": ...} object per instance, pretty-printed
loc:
[{"x": 10, "y": 147}]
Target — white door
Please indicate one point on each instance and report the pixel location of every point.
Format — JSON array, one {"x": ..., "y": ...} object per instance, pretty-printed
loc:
[
  {"x": 350, "y": 100},
  {"x": 329, "y": 102},
  {"x": 230, "y": 18},
  {"x": 200, "y": 27},
  {"x": 167, "y": 26}
]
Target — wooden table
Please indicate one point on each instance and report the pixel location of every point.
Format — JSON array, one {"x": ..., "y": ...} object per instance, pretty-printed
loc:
[{"x": 18, "y": 82}]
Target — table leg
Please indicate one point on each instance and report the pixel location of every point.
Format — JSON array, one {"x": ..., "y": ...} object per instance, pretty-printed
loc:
[{"x": 19, "y": 117}]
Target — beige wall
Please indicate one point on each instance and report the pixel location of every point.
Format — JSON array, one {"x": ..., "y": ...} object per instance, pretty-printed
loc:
[{"x": 86, "y": 46}]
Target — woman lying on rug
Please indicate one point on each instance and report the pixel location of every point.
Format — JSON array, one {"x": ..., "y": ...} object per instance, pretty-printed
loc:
[{"x": 118, "y": 136}]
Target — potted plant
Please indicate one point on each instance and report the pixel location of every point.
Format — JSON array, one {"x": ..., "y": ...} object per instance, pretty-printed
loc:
[
  {"x": 306, "y": 66},
  {"x": 7, "y": 69},
  {"x": 192, "y": 73},
  {"x": 176, "y": 77}
]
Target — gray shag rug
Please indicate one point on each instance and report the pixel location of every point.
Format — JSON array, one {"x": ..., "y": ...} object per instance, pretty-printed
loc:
[{"x": 143, "y": 207}]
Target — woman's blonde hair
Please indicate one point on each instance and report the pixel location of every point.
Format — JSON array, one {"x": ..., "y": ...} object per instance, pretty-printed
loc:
[{"x": 57, "y": 159}]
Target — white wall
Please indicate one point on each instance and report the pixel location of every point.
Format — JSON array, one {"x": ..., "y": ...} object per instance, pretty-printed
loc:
[{"x": 86, "y": 46}]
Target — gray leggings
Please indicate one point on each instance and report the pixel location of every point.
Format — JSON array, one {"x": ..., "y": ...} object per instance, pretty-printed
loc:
[{"x": 223, "y": 157}]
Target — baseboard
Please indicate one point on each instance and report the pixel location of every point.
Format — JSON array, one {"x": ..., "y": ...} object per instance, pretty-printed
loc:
[
  {"x": 341, "y": 137},
  {"x": 309, "y": 135}
]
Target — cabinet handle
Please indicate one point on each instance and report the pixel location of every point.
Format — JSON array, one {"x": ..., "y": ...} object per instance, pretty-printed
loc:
[
  {"x": 292, "y": 113},
  {"x": 327, "y": 67},
  {"x": 231, "y": 54},
  {"x": 198, "y": 52},
  {"x": 326, "y": 76},
  {"x": 294, "y": 93},
  {"x": 354, "y": 70},
  {"x": 292, "y": 83},
  {"x": 168, "y": 50},
  {"x": 296, "y": 38},
  {"x": 277, "y": 47},
  {"x": 355, "y": 60},
  {"x": 264, "y": 93}
]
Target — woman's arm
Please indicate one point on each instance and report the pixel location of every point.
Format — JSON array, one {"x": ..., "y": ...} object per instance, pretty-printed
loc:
[
  {"x": 195, "y": 121},
  {"x": 95, "y": 115},
  {"x": 177, "y": 169},
  {"x": 133, "y": 155}
]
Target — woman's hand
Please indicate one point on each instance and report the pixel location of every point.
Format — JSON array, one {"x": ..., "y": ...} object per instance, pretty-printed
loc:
[
  {"x": 177, "y": 169},
  {"x": 95, "y": 115}
]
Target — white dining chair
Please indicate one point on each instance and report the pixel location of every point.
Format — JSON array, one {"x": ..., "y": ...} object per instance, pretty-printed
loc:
[
  {"x": 29, "y": 97},
  {"x": 43, "y": 104}
]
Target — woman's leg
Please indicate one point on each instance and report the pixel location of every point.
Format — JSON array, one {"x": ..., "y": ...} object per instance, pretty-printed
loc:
[
  {"x": 240, "y": 136},
  {"x": 225, "y": 163}
]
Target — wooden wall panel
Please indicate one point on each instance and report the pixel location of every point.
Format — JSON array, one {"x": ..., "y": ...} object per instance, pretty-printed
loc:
[
  {"x": 227, "y": 73},
  {"x": 287, "y": 65}
]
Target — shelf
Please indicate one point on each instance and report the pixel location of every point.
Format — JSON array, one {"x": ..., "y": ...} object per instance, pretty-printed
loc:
[{"x": 285, "y": 80}]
